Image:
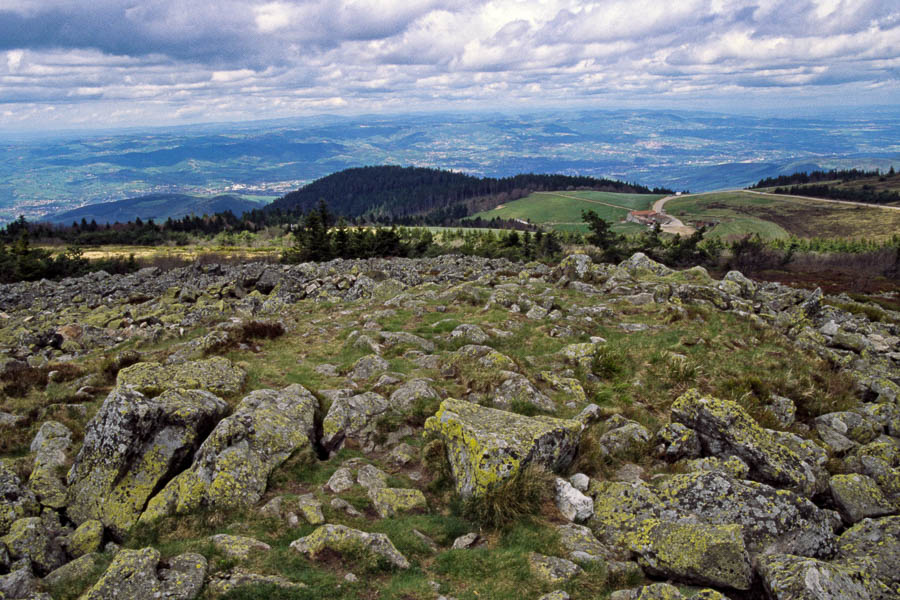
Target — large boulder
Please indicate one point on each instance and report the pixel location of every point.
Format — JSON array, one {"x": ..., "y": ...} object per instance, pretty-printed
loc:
[
  {"x": 345, "y": 540},
  {"x": 486, "y": 446},
  {"x": 694, "y": 553},
  {"x": 879, "y": 540},
  {"x": 620, "y": 509},
  {"x": 50, "y": 446},
  {"x": 216, "y": 375},
  {"x": 139, "y": 575},
  {"x": 30, "y": 539},
  {"x": 16, "y": 501},
  {"x": 857, "y": 497},
  {"x": 353, "y": 418},
  {"x": 232, "y": 466},
  {"x": 133, "y": 446},
  {"x": 726, "y": 429},
  {"x": 772, "y": 521},
  {"x": 788, "y": 577}
]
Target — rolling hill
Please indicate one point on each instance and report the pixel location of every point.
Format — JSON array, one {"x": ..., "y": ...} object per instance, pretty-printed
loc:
[
  {"x": 396, "y": 192},
  {"x": 772, "y": 216},
  {"x": 562, "y": 209},
  {"x": 154, "y": 206}
]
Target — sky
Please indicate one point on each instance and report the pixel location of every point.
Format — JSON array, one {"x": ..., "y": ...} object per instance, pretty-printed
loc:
[{"x": 126, "y": 63}]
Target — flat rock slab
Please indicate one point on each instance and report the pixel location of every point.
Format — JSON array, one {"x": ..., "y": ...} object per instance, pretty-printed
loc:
[
  {"x": 216, "y": 375},
  {"x": 486, "y": 446},
  {"x": 345, "y": 540}
]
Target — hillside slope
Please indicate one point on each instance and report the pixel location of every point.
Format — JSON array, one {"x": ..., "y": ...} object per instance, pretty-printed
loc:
[
  {"x": 154, "y": 206},
  {"x": 391, "y": 191},
  {"x": 404, "y": 429}
]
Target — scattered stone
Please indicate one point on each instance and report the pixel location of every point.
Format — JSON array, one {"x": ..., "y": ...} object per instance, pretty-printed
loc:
[
  {"x": 30, "y": 539},
  {"x": 79, "y": 568},
  {"x": 675, "y": 441},
  {"x": 86, "y": 539},
  {"x": 857, "y": 497},
  {"x": 327, "y": 370},
  {"x": 555, "y": 595},
  {"x": 310, "y": 509},
  {"x": 19, "y": 584},
  {"x": 552, "y": 569},
  {"x": 341, "y": 539},
  {"x": 233, "y": 464},
  {"x": 341, "y": 504},
  {"x": 139, "y": 575},
  {"x": 238, "y": 546},
  {"x": 580, "y": 481},
  {"x": 412, "y": 393},
  {"x": 340, "y": 481},
  {"x": 371, "y": 477},
  {"x": 516, "y": 389},
  {"x": 389, "y": 502},
  {"x": 354, "y": 418},
  {"x": 573, "y": 505},
  {"x": 486, "y": 446},
  {"x": 472, "y": 334},
  {"x": 782, "y": 409},
  {"x": 465, "y": 541},
  {"x": 223, "y": 582},
  {"x": 368, "y": 367},
  {"x": 402, "y": 455},
  {"x": 654, "y": 591}
]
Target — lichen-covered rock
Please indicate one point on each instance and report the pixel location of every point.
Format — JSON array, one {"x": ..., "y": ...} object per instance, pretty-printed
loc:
[
  {"x": 771, "y": 521},
  {"x": 620, "y": 509},
  {"x": 552, "y": 569},
  {"x": 233, "y": 464},
  {"x": 389, "y": 502},
  {"x": 694, "y": 553},
  {"x": 342, "y": 539},
  {"x": 354, "y": 418},
  {"x": 368, "y": 367},
  {"x": 639, "y": 265},
  {"x": 310, "y": 509},
  {"x": 138, "y": 575},
  {"x": 485, "y": 356},
  {"x": 216, "y": 375},
  {"x": 654, "y": 591},
  {"x": 878, "y": 540},
  {"x": 20, "y": 584},
  {"x": 29, "y": 538},
  {"x": 86, "y": 539},
  {"x": 405, "y": 338},
  {"x": 782, "y": 409},
  {"x": 487, "y": 446},
  {"x": 787, "y": 577},
  {"x": 132, "y": 446},
  {"x": 573, "y": 505},
  {"x": 79, "y": 568},
  {"x": 857, "y": 497},
  {"x": 16, "y": 502},
  {"x": 624, "y": 438},
  {"x": 726, "y": 429},
  {"x": 731, "y": 465},
  {"x": 340, "y": 481},
  {"x": 569, "y": 386},
  {"x": 516, "y": 389},
  {"x": 411, "y": 393},
  {"x": 675, "y": 441},
  {"x": 473, "y": 334},
  {"x": 578, "y": 539},
  {"x": 223, "y": 582},
  {"x": 842, "y": 431},
  {"x": 555, "y": 595},
  {"x": 50, "y": 446},
  {"x": 370, "y": 477},
  {"x": 238, "y": 546}
]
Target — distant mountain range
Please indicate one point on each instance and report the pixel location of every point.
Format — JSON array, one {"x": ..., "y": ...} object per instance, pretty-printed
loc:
[
  {"x": 158, "y": 207},
  {"x": 268, "y": 159}
]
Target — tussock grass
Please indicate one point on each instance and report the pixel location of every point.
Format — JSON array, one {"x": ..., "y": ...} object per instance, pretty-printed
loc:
[{"x": 512, "y": 500}]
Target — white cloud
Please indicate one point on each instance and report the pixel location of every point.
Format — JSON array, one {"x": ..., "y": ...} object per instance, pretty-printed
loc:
[{"x": 249, "y": 59}]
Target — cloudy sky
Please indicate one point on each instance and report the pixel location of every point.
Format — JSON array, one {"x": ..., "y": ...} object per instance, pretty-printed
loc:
[{"x": 77, "y": 63}]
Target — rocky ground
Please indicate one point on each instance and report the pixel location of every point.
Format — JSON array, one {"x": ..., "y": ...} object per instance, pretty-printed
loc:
[{"x": 446, "y": 428}]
